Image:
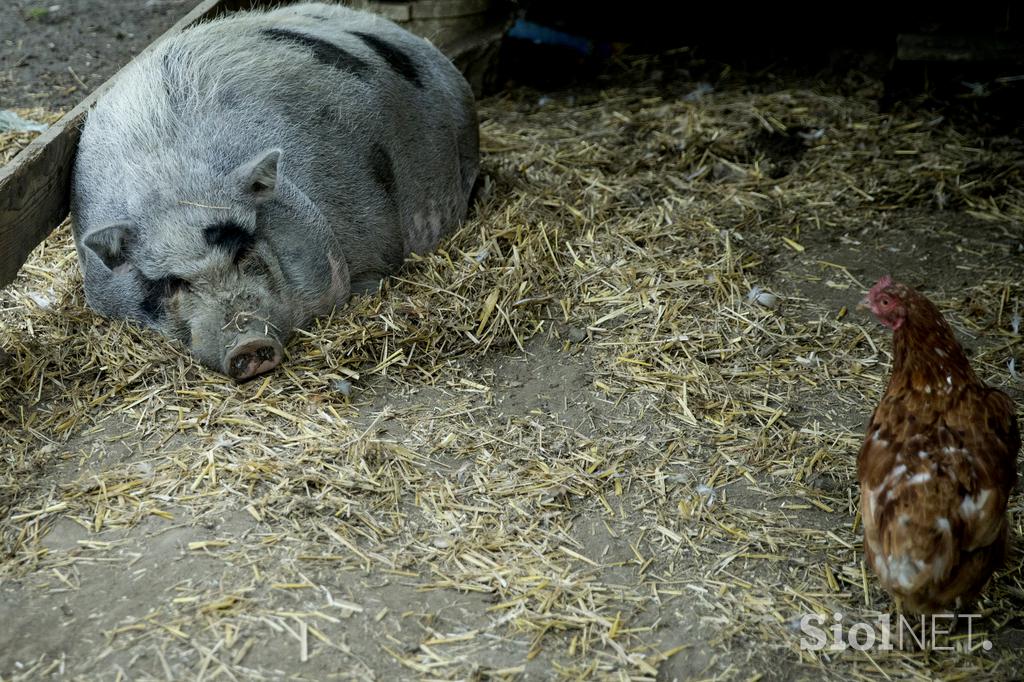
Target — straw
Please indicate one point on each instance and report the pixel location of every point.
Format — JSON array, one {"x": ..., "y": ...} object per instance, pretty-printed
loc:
[{"x": 607, "y": 428}]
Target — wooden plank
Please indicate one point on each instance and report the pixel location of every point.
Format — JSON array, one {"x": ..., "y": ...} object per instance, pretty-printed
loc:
[
  {"x": 395, "y": 11},
  {"x": 441, "y": 9},
  {"x": 34, "y": 186},
  {"x": 914, "y": 47}
]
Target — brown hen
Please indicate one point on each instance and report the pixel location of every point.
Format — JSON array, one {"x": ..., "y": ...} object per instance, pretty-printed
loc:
[{"x": 938, "y": 462}]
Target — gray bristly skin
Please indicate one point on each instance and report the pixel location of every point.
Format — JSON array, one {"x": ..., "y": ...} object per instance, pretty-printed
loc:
[{"x": 253, "y": 171}]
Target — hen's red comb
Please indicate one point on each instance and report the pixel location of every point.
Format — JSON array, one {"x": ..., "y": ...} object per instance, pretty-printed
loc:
[{"x": 881, "y": 285}]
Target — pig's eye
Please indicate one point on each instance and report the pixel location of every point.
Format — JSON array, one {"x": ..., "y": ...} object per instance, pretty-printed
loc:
[
  {"x": 176, "y": 284},
  {"x": 242, "y": 252},
  {"x": 157, "y": 291}
]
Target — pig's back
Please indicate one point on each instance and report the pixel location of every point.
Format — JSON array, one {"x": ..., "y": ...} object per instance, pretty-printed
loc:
[{"x": 377, "y": 127}]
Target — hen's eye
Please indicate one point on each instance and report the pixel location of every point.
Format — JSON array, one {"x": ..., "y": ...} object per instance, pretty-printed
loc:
[{"x": 885, "y": 301}]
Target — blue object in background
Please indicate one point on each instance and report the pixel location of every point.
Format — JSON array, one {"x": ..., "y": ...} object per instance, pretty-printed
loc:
[
  {"x": 543, "y": 35},
  {"x": 11, "y": 121}
]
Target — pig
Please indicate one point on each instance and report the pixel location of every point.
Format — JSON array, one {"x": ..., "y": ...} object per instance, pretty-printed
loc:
[{"x": 252, "y": 172}]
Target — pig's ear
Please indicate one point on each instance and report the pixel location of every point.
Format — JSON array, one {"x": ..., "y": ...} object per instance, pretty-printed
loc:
[
  {"x": 258, "y": 177},
  {"x": 111, "y": 243}
]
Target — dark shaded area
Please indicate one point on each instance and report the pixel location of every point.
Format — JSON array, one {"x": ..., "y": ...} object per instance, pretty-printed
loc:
[
  {"x": 966, "y": 62},
  {"x": 55, "y": 57},
  {"x": 781, "y": 150},
  {"x": 769, "y": 27}
]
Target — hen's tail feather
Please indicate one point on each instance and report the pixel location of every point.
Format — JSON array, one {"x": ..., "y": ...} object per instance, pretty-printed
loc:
[{"x": 921, "y": 557}]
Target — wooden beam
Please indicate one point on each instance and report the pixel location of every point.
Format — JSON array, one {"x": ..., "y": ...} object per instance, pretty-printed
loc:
[
  {"x": 914, "y": 47},
  {"x": 440, "y": 9},
  {"x": 35, "y": 185}
]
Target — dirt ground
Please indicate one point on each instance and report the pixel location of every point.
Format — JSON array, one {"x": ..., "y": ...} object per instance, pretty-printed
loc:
[
  {"x": 628, "y": 471},
  {"x": 53, "y": 54}
]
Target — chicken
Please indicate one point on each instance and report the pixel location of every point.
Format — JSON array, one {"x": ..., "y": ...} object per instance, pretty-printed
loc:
[{"x": 938, "y": 463}]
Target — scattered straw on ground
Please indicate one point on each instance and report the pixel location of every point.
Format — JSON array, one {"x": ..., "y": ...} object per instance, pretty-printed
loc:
[
  {"x": 609, "y": 428},
  {"x": 11, "y": 142}
]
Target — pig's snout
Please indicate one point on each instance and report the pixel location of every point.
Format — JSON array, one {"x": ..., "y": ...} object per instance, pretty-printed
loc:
[{"x": 252, "y": 357}]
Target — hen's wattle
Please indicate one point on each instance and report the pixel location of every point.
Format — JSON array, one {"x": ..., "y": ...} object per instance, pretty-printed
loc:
[{"x": 938, "y": 463}]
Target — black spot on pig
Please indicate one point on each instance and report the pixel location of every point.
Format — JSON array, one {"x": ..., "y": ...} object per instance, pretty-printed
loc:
[
  {"x": 229, "y": 237},
  {"x": 324, "y": 51},
  {"x": 396, "y": 59},
  {"x": 382, "y": 168}
]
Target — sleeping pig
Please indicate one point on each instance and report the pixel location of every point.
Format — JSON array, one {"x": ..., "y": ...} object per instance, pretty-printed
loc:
[{"x": 252, "y": 172}]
